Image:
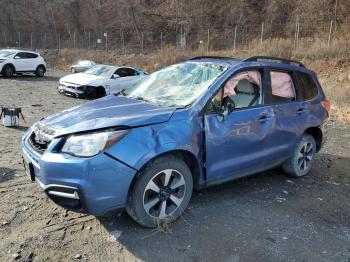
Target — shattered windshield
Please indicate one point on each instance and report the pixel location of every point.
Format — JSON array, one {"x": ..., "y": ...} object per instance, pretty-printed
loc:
[
  {"x": 177, "y": 85},
  {"x": 6, "y": 54},
  {"x": 101, "y": 70}
]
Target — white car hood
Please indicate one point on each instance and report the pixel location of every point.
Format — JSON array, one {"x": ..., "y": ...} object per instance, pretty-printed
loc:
[{"x": 81, "y": 79}]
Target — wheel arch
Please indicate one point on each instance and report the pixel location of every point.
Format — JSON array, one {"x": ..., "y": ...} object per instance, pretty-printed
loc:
[
  {"x": 317, "y": 134},
  {"x": 9, "y": 64},
  {"x": 188, "y": 157},
  {"x": 41, "y": 66}
]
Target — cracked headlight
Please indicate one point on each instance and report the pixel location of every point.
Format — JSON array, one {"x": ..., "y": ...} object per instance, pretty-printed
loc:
[{"x": 87, "y": 145}]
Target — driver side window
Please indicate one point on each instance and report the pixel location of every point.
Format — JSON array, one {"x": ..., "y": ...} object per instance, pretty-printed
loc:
[{"x": 243, "y": 90}]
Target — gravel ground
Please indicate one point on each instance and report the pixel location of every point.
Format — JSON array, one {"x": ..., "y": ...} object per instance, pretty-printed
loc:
[{"x": 266, "y": 217}]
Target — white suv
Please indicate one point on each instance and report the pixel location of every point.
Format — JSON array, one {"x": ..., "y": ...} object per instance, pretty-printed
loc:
[{"x": 21, "y": 61}]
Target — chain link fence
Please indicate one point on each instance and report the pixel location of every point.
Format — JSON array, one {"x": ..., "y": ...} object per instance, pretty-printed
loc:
[{"x": 140, "y": 41}]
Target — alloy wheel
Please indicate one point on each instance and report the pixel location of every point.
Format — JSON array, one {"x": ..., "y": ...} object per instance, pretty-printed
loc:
[
  {"x": 164, "y": 193},
  {"x": 305, "y": 156}
]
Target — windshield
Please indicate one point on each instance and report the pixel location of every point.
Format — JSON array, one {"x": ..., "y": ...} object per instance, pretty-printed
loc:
[
  {"x": 6, "y": 54},
  {"x": 177, "y": 85},
  {"x": 101, "y": 70},
  {"x": 85, "y": 62}
]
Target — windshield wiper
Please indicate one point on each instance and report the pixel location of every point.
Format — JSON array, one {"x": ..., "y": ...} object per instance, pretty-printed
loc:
[{"x": 121, "y": 92}]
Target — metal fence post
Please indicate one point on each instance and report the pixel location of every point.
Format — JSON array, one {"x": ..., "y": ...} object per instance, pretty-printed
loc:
[
  {"x": 142, "y": 42},
  {"x": 89, "y": 41},
  {"x": 19, "y": 39},
  {"x": 208, "y": 41},
  {"x": 59, "y": 41},
  {"x": 330, "y": 34},
  {"x": 262, "y": 34},
  {"x": 235, "y": 38},
  {"x": 161, "y": 41},
  {"x": 31, "y": 40}
]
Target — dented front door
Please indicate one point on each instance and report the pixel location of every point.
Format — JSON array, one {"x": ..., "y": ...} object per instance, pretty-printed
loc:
[{"x": 240, "y": 144}]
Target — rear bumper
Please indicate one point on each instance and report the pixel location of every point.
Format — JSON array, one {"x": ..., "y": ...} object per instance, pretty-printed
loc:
[{"x": 93, "y": 185}]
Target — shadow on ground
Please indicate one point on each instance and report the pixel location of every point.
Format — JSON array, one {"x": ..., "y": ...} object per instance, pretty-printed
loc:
[
  {"x": 266, "y": 217},
  {"x": 28, "y": 77},
  {"x": 6, "y": 174}
]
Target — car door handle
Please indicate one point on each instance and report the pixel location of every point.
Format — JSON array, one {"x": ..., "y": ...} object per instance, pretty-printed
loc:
[
  {"x": 264, "y": 118},
  {"x": 301, "y": 111}
]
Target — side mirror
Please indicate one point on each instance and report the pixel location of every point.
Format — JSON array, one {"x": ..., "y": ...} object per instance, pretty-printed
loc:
[
  {"x": 17, "y": 57},
  {"x": 115, "y": 76},
  {"x": 227, "y": 107}
]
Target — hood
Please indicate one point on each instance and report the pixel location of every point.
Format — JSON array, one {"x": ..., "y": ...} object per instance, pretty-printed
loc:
[
  {"x": 110, "y": 111},
  {"x": 80, "y": 78}
]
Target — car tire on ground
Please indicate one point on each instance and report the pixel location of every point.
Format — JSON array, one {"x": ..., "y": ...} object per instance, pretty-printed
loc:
[
  {"x": 303, "y": 157},
  {"x": 161, "y": 192},
  {"x": 8, "y": 71},
  {"x": 40, "y": 71}
]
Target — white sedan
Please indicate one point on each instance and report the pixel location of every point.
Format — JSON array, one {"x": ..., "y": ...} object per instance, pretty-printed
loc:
[{"x": 99, "y": 81}]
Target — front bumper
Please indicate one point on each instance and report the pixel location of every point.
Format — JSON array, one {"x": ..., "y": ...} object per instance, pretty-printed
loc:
[
  {"x": 62, "y": 89},
  {"x": 93, "y": 185}
]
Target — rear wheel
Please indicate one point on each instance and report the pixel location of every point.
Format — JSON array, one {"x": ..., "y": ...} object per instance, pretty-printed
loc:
[
  {"x": 161, "y": 192},
  {"x": 40, "y": 71},
  {"x": 303, "y": 157},
  {"x": 8, "y": 71}
]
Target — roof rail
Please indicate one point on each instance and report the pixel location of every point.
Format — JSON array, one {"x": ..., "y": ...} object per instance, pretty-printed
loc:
[
  {"x": 214, "y": 57},
  {"x": 273, "y": 59}
]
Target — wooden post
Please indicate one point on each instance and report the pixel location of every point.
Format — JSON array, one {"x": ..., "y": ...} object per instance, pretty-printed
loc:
[
  {"x": 330, "y": 34},
  {"x": 161, "y": 41},
  {"x": 44, "y": 41},
  {"x": 235, "y": 38},
  {"x": 74, "y": 39}
]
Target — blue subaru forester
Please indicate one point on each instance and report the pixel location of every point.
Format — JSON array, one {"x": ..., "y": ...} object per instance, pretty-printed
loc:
[{"x": 190, "y": 125}]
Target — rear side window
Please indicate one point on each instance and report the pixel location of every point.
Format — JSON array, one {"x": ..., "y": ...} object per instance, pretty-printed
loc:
[
  {"x": 282, "y": 88},
  {"x": 30, "y": 55},
  {"x": 307, "y": 87}
]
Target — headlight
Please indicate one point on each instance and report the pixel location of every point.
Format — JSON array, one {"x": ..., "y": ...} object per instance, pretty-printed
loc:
[{"x": 88, "y": 145}]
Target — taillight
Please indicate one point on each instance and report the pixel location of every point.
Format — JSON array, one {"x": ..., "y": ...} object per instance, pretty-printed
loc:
[{"x": 327, "y": 105}]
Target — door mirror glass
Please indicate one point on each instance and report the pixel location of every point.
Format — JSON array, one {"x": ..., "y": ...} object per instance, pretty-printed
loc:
[
  {"x": 17, "y": 57},
  {"x": 115, "y": 76}
]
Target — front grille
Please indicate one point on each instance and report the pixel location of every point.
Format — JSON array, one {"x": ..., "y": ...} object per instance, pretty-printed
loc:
[{"x": 37, "y": 145}]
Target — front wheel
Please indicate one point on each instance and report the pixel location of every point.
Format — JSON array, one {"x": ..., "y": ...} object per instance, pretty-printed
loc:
[
  {"x": 8, "y": 71},
  {"x": 303, "y": 157},
  {"x": 161, "y": 192}
]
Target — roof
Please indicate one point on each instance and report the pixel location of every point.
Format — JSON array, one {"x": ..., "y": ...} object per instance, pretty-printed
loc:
[
  {"x": 19, "y": 50},
  {"x": 228, "y": 61},
  {"x": 224, "y": 61}
]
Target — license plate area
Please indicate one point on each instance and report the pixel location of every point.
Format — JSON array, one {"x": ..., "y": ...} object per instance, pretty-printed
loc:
[{"x": 29, "y": 169}]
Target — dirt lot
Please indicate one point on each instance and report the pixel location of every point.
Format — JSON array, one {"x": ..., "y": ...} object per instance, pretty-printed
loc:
[{"x": 267, "y": 217}]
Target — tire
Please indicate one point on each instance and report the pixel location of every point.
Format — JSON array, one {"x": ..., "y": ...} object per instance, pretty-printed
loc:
[
  {"x": 40, "y": 71},
  {"x": 303, "y": 157},
  {"x": 8, "y": 71},
  {"x": 161, "y": 192}
]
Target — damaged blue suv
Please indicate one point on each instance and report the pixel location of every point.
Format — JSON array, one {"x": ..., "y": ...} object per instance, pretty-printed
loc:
[{"x": 190, "y": 125}]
